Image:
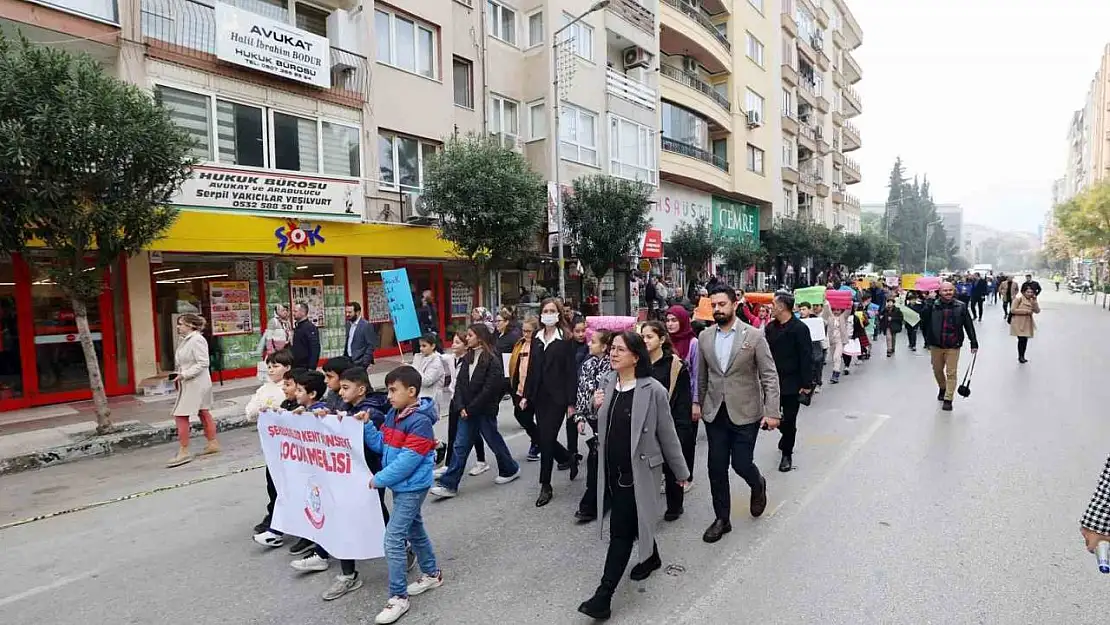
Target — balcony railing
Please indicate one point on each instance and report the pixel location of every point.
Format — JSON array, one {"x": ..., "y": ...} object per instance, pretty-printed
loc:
[
  {"x": 849, "y": 164},
  {"x": 851, "y": 200},
  {"x": 693, "y": 82},
  {"x": 850, "y": 127},
  {"x": 184, "y": 31},
  {"x": 634, "y": 91},
  {"x": 700, "y": 18},
  {"x": 854, "y": 95},
  {"x": 685, "y": 149},
  {"x": 636, "y": 13}
]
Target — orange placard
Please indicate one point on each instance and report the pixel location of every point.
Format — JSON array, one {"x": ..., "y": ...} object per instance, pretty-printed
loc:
[
  {"x": 704, "y": 311},
  {"x": 759, "y": 298}
]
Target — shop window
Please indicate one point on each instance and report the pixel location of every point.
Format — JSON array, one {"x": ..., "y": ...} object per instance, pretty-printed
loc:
[
  {"x": 295, "y": 143},
  {"x": 60, "y": 359},
  {"x": 11, "y": 362},
  {"x": 239, "y": 134}
]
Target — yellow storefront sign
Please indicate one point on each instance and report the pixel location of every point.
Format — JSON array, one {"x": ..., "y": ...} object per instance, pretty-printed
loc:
[{"x": 197, "y": 231}]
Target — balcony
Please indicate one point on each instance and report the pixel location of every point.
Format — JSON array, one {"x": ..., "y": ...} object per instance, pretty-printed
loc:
[
  {"x": 90, "y": 26},
  {"x": 636, "y": 92},
  {"x": 838, "y": 77},
  {"x": 838, "y": 118},
  {"x": 851, "y": 137},
  {"x": 853, "y": 34},
  {"x": 685, "y": 149},
  {"x": 184, "y": 32},
  {"x": 822, "y": 102},
  {"x": 692, "y": 166},
  {"x": 851, "y": 171},
  {"x": 807, "y": 91},
  {"x": 789, "y": 122},
  {"x": 692, "y": 92},
  {"x": 686, "y": 30},
  {"x": 852, "y": 71},
  {"x": 838, "y": 193},
  {"x": 850, "y": 97},
  {"x": 789, "y": 24},
  {"x": 806, "y": 51},
  {"x": 635, "y": 13},
  {"x": 807, "y": 137},
  {"x": 837, "y": 155},
  {"x": 820, "y": 56},
  {"x": 851, "y": 200},
  {"x": 822, "y": 15},
  {"x": 838, "y": 40}
]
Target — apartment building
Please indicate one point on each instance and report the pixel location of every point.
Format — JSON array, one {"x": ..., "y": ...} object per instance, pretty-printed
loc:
[
  {"x": 1087, "y": 159},
  {"x": 818, "y": 102}
]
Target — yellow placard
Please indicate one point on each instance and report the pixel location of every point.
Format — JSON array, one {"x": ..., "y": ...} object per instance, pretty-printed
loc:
[{"x": 909, "y": 280}]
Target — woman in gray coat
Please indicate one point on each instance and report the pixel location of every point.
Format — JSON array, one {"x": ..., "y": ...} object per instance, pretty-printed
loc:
[
  {"x": 194, "y": 387},
  {"x": 636, "y": 435}
]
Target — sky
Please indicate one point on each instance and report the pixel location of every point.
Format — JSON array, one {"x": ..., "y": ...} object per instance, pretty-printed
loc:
[{"x": 976, "y": 94}]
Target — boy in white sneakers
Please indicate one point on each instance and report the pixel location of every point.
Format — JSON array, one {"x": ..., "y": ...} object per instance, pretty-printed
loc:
[
  {"x": 270, "y": 396},
  {"x": 407, "y": 446}
]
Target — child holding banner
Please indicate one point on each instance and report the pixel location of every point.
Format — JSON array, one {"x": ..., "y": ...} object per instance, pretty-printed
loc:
[
  {"x": 270, "y": 396},
  {"x": 407, "y": 446}
]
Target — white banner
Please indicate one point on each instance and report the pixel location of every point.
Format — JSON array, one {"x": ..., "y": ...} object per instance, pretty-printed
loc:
[
  {"x": 323, "y": 483},
  {"x": 291, "y": 195},
  {"x": 265, "y": 45}
]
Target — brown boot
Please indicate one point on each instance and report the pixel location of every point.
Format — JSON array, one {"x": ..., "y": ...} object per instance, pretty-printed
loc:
[
  {"x": 213, "y": 447},
  {"x": 183, "y": 457}
]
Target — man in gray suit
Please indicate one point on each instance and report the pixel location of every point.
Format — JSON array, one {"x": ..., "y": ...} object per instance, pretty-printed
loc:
[
  {"x": 738, "y": 392},
  {"x": 362, "y": 338}
]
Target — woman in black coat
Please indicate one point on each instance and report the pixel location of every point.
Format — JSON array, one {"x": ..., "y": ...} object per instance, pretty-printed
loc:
[
  {"x": 672, "y": 372},
  {"x": 550, "y": 387}
]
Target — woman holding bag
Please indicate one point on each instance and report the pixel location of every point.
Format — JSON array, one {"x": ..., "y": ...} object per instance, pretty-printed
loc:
[{"x": 1021, "y": 320}]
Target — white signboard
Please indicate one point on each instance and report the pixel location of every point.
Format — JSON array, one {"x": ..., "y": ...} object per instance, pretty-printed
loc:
[
  {"x": 265, "y": 45},
  {"x": 675, "y": 204},
  {"x": 291, "y": 195},
  {"x": 323, "y": 483}
]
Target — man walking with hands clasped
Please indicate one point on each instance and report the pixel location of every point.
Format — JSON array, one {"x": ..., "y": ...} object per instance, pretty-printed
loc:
[{"x": 737, "y": 393}]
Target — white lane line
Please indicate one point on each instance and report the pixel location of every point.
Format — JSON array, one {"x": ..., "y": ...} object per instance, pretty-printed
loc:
[{"x": 38, "y": 590}]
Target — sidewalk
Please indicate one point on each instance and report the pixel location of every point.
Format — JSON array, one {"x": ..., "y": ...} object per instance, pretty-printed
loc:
[{"x": 49, "y": 435}]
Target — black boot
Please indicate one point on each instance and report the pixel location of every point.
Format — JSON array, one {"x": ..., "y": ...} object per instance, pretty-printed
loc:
[
  {"x": 546, "y": 494},
  {"x": 599, "y": 606},
  {"x": 787, "y": 463},
  {"x": 574, "y": 466},
  {"x": 644, "y": 569}
]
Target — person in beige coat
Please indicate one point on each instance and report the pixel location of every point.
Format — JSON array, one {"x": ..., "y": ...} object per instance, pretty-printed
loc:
[
  {"x": 194, "y": 387},
  {"x": 636, "y": 436},
  {"x": 1021, "y": 320}
]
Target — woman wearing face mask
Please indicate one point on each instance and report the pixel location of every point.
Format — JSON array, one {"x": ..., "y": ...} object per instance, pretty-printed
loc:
[
  {"x": 636, "y": 437},
  {"x": 591, "y": 376},
  {"x": 673, "y": 373},
  {"x": 550, "y": 388},
  {"x": 458, "y": 349}
]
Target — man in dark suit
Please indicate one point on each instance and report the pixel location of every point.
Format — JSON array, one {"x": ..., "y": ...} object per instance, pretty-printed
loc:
[
  {"x": 362, "y": 338},
  {"x": 306, "y": 339},
  {"x": 792, "y": 350}
]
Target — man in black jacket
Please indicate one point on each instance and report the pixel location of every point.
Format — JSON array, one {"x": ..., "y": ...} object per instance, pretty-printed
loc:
[
  {"x": 978, "y": 294},
  {"x": 1030, "y": 283},
  {"x": 306, "y": 339},
  {"x": 361, "y": 337},
  {"x": 792, "y": 350},
  {"x": 944, "y": 324}
]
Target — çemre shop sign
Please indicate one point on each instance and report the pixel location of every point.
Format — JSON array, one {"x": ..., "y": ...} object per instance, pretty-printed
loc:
[
  {"x": 294, "y": 196},
  {"x": 265, "y": 45}
]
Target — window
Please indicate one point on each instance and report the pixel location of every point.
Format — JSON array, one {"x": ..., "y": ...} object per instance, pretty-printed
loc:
[
  {"x": 581, "y": 38},
  {"x": 788, "y": 103},
  {"x": 406, "y": 44},
  {"x": 535, "y": 29},
  {"x": 401, "y": 159},
  {"x": 632, "y": 149},
  {"x": 755, "y": 159},
  {"x": 462, "y": 73},
  {"x": 504, "y": 116},
  {"x": 577, "y": 135},
  {"x": 312, "y": 19},
  {"x": 755, "y": 50},
  {"x": 753, "y": 103},
  {"x": 789, "y": 50},
  {"x": 757, "y": 4},
  {"x": 685, "y": 126},
  {"x": 788, "y": 151},
  {"x": 720, "y": 149},
  {"x": 537, "y": 120},
  {"x": 502, "y": 22},
  {"x": 788, "y": 202},
  {"x": 255, "y": 136}
]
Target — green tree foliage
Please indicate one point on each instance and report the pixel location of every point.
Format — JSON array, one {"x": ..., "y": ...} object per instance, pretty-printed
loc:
[
  {"x": 1085, "y": 220},
  {"x": 910, "y": 212},
  {"x": 490, "y": 202},
  {"x": 606, "y": 218},
  {"x": 88, "y": 165},
  {"x": 741, "y": 254},
  {"x": 694, "y": 245}
]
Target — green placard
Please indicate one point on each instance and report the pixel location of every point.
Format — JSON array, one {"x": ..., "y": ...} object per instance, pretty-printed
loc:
[
  {"x": 810, "y": 295},
  {"x": 736, "y": 220}
]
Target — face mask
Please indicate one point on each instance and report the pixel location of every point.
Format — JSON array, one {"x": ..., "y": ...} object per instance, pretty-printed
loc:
[{"x": 549, "y": 319}]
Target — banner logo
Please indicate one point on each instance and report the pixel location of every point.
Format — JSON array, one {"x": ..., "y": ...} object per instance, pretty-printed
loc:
[{"x": 314, "y": 507}]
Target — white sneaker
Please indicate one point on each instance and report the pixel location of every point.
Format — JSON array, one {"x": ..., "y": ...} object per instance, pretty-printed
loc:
[
  {"x": 269, "y": 539},
  {"x": 394, "y": 609},
  {"x": 311, "y": 564},
  {"x": 689, "y": 486},
  {"x": 506, "y": 479},
  {"x": 443, "y": 493},
  {"x": 342, "y": 585},
  {"x": 426, "y": 583},
  {"x": 440, "y": 472},
  {"x": 478, "y": 469}
]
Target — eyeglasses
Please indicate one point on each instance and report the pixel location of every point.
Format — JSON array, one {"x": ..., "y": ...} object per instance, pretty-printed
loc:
[{"x": 619, "y": 350}]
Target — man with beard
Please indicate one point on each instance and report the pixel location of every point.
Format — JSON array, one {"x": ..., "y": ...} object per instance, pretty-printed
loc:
[
  {"x": 737, "y": 394},
  {"x": 943, "y": 327}
]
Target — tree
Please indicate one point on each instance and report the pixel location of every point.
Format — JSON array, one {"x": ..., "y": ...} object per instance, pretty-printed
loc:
[
  {"x": 857, "y": 251},
  {"x": 88, "y": 165},
  {"x": 605, "y": 217},
  {"x": 884, "y": 252},
  {"x": 490, "y": 202},
  {"x": 741, "y": 254},
  {"x": 1085, "y": 219},
  {"x": 789, "y": 242},
  {"x": 694, "y": 245},
  {"x": 871, "y": 222}
]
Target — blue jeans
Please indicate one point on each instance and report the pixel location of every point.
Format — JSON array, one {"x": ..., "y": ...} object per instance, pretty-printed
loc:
[
  {"x": 407, "y": 524},
  {"x": 464, "y": 441}
]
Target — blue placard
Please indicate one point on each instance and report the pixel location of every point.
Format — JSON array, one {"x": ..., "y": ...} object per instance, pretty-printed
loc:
[{"x": 402, "y": 310}]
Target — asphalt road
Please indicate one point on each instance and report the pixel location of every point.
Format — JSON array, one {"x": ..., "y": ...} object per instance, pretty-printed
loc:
[{"x": 897, "y": 513}]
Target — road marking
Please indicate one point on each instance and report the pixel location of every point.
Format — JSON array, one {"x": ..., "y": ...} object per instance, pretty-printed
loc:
[{"x": 38, "y": 590}]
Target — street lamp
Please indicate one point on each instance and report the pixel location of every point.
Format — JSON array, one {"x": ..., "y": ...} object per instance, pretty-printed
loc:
[
  {"x": 597, "y": 6},
  {"x": 928, "y": 231}
]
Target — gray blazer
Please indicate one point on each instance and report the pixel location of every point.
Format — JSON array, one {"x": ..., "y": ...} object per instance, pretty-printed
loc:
[
  {"x": 654, "y": 441},
  {"x": 750, "y": 385}
]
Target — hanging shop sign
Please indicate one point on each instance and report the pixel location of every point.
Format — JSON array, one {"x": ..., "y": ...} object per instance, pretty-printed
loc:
[
  {"x": 270, "y": 193},
  {"x": 264, "y": 45},
  {"x": 735, "y": 220},
  {"x": 653, "y": 244}
]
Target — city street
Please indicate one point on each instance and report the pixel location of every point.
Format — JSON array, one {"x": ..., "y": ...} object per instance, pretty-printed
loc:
[{"x": 897, "y": 513}]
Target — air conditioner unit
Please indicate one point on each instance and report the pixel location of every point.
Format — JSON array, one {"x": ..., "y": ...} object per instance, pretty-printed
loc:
[
  {"x": 817, "y": 42},
  {"x": 819, "y": 131},
  {"x": 415, "y": 210},
  {"x": 754, "y": 120},
  {"x": 636, "y": 57},
  {"x": 689, "y": 65},
  {"x": 638, "y": 74}
]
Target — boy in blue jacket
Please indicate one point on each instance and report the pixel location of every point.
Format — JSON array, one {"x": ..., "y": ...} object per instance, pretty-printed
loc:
[{"x": 407, "y": 446}]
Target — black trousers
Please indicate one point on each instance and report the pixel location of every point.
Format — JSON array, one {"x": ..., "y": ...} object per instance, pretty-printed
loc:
[
  {"x": 819, "y": 356},
  {"x": 572, "y": 437},
  {"x": 549, "y": 421},
  {"x": 453, "y": 430},
  {"x": 730, "y": 444},
  {"x": 623, "y": 531},
  {"x": 1005, "y": 307},
  {"x": 588, "y": 505},
  {"x": 1023, "y": 342},
  {"x": 526, "y": 417},
  {"x": 271, "y": 492},
  {"x": 911, "y": 336},
  {"x": 789, "y": 425},
  {"x": 977, "y": 308},
  {"x": 347, "y": 567},
  {"x": 687, "y": 436}
]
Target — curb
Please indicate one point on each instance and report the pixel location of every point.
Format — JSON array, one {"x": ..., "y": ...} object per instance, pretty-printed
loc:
[{"x": 128, "y": 435}]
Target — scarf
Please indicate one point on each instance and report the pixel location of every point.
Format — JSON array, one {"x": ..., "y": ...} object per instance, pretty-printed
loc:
[{"x": 681, "y": 339}]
